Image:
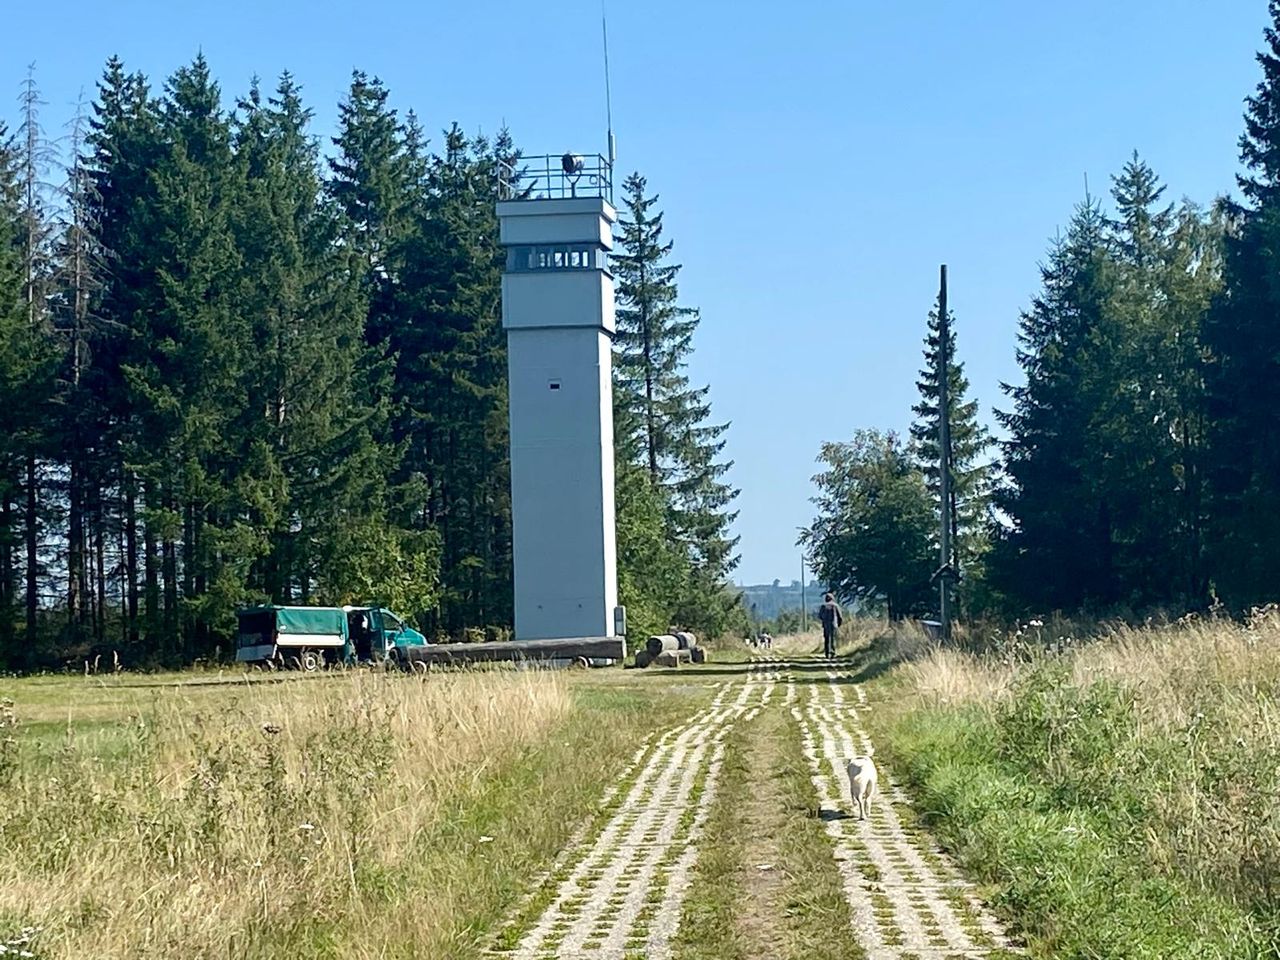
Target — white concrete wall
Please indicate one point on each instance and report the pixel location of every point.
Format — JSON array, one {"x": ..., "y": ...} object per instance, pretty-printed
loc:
[
  {"x": 562, "y": 483},
  {"x": 556, "y": 221},
  {"x": 559, "y": 339},
  {"x": 558, "y": 298}
]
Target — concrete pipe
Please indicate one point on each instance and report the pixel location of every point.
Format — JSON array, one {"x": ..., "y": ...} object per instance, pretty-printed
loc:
[{"x": 659, "y": 644}]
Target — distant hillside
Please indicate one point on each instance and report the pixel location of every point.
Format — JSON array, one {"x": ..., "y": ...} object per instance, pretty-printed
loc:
[{"x": 767, "y": 600}]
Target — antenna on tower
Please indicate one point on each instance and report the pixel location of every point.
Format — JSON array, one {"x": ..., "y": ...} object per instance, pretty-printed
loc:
[{"x": 608, "y": 95}]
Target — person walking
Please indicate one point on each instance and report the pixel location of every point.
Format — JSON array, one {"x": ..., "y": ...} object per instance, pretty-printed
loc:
[{"x": 829, "y": 614}]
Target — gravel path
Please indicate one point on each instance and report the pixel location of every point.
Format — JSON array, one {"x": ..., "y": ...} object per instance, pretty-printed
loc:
[
  {"x": 908, "y": 899},
  {"x": 610, "y": 888}
]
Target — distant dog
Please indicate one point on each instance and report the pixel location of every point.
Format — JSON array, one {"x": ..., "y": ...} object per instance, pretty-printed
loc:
[{"x": 862, "y": 783}]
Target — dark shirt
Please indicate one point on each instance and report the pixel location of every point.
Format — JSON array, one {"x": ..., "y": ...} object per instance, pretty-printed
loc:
[{"x": 829, "y": 614}]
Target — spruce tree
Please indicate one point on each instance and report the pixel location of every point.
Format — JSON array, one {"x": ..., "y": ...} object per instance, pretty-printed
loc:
[
  {"x": 371, "y": 182},
  {"x": 123, "y": 148},
  {"x": 1144, "y": 429},
  {"x": 661, "y": 420},
  {"x": 1059, "y": 522},
  {"x": 458, "y": 304},
  {"x": 37, "y": 233},
  {"x": 84, "y": 426},
  {"x": 19, "y": 374},
  {"x": 1242, "y": 363},
  {"x": 449, "y": 386},
  {"x": 970, "y": 469},
  {"x": 188, "y": 344},
  {"x": 309, "y": 431},
  {"x": 1193, "y": 286}
]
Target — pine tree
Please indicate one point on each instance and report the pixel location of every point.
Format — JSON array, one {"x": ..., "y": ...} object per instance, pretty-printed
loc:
[
  {"x": 19, "y": 372},
  {"x": 970, "y": 470},
  {"x": 1145, "y": 425},
  {"x": 454, "y": 377},
  {"x": 34, "y": 156},
  {"x": 124, "y": 147},
  {"x": 188, "y": 344},
  {"x": 308, "y": 428},
  {"x": 372, "y": 184},
  {"x": 661, "y": 420},
  {"x": 83, "y": 423},
  {"x": 1057, "y": 553},
  {"x": 1242, "y": 366}
]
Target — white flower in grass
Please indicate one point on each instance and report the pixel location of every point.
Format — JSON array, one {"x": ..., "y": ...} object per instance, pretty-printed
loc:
[
  {"x": 306, "y": 826},
  {"x": 486, "y": 839}
]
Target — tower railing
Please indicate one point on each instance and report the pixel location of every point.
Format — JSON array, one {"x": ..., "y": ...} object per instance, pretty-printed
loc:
[{"x": 556, "y": 177}]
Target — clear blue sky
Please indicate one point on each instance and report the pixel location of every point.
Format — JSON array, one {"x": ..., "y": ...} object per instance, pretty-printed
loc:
[{"x": 816, "y": 161}]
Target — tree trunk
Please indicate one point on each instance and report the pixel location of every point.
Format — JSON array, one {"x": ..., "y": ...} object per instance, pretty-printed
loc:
[
  {"x": 33, "y": 551},
  {"x": 130, "y": 565},
  {"x": 169, "y": 577},
  {"x": 189, "y": 565},
  {"x": 151, "y": 596},
  {"x": 76, "y": 572},
  {"x": 100, "y": 552},
  {"x": 7, "y": 593}
]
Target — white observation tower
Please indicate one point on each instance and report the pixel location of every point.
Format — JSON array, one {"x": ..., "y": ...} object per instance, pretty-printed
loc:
[{"x": 557, "y": 308}]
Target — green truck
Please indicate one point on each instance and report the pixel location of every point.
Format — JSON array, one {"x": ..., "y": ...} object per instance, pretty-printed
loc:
[{"x": 309, "y": 638}]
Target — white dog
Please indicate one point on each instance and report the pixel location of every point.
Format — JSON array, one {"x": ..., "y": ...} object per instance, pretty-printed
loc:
[{"x": 862, "y": 783}]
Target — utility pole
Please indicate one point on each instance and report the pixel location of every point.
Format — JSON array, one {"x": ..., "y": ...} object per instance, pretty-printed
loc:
[
  {"x": 804, "y": 607},
  {"x": 944, "y": 455}
]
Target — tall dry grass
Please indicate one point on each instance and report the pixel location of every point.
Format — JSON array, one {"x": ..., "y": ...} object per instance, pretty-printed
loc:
[
  {"x": 1170, "y": 734},
  {"x": 288, "y": 813}
]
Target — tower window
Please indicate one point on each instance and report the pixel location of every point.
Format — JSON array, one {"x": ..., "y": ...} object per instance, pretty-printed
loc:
[{"x": 562, "y": 256}]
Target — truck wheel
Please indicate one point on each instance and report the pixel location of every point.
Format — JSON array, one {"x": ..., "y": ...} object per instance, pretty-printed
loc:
[{"x": 310, "y": 660}]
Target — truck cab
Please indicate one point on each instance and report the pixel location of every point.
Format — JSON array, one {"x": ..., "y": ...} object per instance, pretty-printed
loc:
[{"x": 378, "y": 634}]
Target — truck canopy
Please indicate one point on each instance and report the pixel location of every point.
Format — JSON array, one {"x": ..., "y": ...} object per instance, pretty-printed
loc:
[
  {"x": 265, "y": 629},
  {"x": 323, "y": 621}
]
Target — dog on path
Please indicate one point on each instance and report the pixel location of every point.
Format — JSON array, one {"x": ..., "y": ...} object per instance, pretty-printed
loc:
[{"x": 862, "y": 783}]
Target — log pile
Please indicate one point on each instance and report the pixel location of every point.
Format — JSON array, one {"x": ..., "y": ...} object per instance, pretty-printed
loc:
[{"x": 671, "y": 650}]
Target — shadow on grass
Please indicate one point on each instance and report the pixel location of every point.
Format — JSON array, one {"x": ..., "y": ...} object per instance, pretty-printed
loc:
[{"x": 827, "y": 816}]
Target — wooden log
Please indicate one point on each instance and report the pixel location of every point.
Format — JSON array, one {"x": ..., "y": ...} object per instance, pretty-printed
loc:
[{"x": 572, "y": 648}]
